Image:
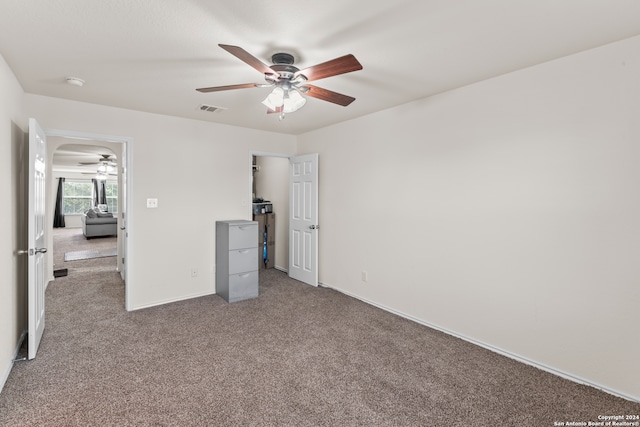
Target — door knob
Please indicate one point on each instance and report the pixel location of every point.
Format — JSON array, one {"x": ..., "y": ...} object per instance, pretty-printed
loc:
[
  {"x": 32, "y": 251},
  {"x": 314, "y": 227}
]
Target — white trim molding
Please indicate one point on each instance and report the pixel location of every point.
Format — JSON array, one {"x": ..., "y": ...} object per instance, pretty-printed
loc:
[{"x": 14, "y": 358}]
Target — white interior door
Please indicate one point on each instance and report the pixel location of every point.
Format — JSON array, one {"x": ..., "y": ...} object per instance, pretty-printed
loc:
[
  {"x": 303, "y": 218},
  {"x": 36, "y": 234}
]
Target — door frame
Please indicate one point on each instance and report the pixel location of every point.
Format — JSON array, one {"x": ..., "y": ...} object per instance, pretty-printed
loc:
[
  {"x": 259, "y": 154},
  {"x": 249, "y": 201},
  {"x": 127, "y": 164},
  {"x": 250, "y": 190}
]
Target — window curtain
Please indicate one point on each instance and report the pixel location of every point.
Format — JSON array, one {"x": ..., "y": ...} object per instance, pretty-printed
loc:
[
  {"x": 58, "y": 215},
  {"x": 99, "y": 192},
  {"x": 96, "y": 192},
  {"x": 103, "y": 192}
]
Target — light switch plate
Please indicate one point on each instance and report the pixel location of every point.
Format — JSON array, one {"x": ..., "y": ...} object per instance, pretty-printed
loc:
[{"x": 152, "y": 203}]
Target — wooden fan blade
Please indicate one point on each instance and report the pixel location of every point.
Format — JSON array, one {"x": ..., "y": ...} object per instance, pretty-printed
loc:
[
  {"x": 245, "y": 56},
  {"x": 96, "y": 164},
  {"x": 277, "y": 110},
  {"x": 328, "y": 95},
  {"x": 229, "y": 87},
  {"x": 342, "y": 65}
]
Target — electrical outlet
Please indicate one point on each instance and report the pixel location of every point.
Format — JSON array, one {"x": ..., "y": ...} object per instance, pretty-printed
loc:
[
  {"x": 194, "y": 272},
  {"x": 365, "y": 276}
]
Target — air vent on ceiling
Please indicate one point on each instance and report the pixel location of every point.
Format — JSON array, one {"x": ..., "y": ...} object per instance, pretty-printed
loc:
[{"x": 211, "y": 108}]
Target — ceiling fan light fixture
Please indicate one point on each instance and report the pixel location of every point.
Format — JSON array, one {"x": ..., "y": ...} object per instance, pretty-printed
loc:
[
  {"x": 275, "y": 99},
  {"x": 106, "y": 168},
  {"x": 293, "y": 101}
]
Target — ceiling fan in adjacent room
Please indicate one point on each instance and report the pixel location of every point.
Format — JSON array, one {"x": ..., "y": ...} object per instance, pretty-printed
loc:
[
  {"x": 290, "y": 83},
  {"x": 106, "y": 167},
  {"x": 104, "y": 158},
  {"x": 104, "y": 171}
]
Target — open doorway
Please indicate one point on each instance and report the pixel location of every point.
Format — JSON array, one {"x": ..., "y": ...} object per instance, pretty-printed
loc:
[
  {"x": 270, "y": 186},
  {"x": 88, "y": 154},
  {"x": 293, "y": 180},
  {"x": 85, "y": 195}
]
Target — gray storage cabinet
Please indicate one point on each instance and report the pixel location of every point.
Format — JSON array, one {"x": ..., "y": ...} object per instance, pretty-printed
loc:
[{"x": 236, "y": 260}]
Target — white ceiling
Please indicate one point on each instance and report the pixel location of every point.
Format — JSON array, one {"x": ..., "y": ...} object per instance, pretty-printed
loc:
[
  {"x": 151, "y": 55},
  {"x": 73, "y": 156}
]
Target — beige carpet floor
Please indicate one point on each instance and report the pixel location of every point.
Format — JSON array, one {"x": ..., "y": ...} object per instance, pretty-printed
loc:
[{"x": 295, "y": 356}]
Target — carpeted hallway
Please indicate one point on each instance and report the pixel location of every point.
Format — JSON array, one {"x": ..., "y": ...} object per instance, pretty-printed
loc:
[{"x": 295, "y": 356}]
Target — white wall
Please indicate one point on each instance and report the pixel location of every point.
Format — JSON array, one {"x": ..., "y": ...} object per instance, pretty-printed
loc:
[
  {"x": 12, "y": 228},
  {"x": 506, "y": 212},
  {"x": 197, "y": 170},
  {"x": 272, "y": 183}
]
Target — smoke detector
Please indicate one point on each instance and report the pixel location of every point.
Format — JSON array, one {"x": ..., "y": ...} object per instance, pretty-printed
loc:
[{"x": 75, "y": 81}]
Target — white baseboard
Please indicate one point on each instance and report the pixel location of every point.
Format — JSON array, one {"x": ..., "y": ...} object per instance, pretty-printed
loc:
[
  {"x": 7, "y": 371},
  {"x": 490, "y": 347},
  {"x": 169, "y": 301}
]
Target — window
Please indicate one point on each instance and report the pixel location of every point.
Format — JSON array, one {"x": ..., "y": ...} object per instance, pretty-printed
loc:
[
  {"x": 112, "y": 196},
  {"x": 76, "y": 197}
]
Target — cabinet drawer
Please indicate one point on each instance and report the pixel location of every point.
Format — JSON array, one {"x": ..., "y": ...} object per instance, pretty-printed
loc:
[
  {"x": 243, "y": 260},
  {"x": 243, "y": 286},
  {"x": 242, "y": 236}
]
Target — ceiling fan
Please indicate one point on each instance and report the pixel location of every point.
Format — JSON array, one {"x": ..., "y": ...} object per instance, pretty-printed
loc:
[
  {"x": 289, "y": 82},
  {"x": 106, "y": 167},
  {"x": 104, "y": 158},
  {"x": 105, "y": 170}
]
